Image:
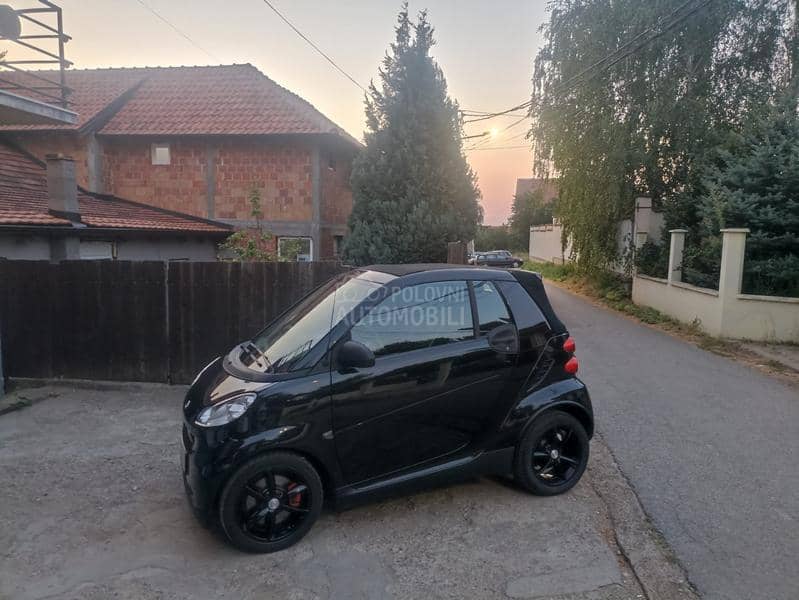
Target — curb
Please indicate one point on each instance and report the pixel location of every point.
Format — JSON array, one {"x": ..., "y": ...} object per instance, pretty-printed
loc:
[{"x": 654, "y": 564}]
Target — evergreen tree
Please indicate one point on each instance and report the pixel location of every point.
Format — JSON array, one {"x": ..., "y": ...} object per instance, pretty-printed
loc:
[
  {"x": 412, "y": 189},
  {"x": 754, "y": 183}
]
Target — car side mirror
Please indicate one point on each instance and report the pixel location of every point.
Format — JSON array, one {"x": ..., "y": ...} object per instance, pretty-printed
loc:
[
  {"x": 504, "y": 339},
  {"x": 354, "y": 355}
]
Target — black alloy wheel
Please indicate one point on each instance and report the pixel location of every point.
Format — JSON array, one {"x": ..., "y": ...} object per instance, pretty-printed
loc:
[
  {"x": 552, "y": 455},
  {"x": 270, "y": 502}
]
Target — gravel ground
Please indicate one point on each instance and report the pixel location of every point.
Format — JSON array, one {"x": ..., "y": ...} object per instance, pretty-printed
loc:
[{"x": 92, "y": 507}]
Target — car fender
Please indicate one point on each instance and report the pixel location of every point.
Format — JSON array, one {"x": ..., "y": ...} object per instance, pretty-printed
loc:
[
  {"x": 302, "y": 439},
  {"x": 569, "y": 395}
]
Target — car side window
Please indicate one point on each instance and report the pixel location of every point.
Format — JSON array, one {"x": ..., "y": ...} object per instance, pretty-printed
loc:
[
  {"x": 491, "y": 309},
  {"x": 419, "y": 316}
]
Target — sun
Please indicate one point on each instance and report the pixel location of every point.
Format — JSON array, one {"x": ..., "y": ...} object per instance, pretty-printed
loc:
[{"x": 493, "y": 132}]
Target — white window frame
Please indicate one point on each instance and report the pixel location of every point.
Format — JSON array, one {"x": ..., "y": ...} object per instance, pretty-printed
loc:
[
  {"x": 160, "y": 161},
  {"x": 97, "y": 250},
  {"x": 297, "y": 237}
]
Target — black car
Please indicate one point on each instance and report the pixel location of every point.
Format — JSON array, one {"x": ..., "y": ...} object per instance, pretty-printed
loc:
[
  {"x": 387, "y": 379},
  {"x": 497, "y": 258}
]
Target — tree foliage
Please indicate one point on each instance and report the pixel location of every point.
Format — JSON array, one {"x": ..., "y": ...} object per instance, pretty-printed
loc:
[
  {"x": 412, "y": 189},
  {"x": 493, "y": 237},
  {"x": 528, "y": 209},
  {"x": 753, "y": 182},
  {"x": 251, "y": 243},
  {"x": 612, "y": 130}
]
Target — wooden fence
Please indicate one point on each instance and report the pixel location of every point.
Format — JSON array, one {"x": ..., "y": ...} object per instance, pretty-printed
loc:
[{"x": 139, "y": 321}]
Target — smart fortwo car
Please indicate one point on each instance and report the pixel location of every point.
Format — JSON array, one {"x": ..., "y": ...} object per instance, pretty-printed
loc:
[{"x": 385, "y": 380}]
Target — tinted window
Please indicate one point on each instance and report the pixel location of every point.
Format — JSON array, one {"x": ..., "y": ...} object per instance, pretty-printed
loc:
[
  {"x": 292, "y": 336},
  {"x": 418, "y": 316},
  {"x": 491, "y": 309},
  {"x": 525, "y": 310}
]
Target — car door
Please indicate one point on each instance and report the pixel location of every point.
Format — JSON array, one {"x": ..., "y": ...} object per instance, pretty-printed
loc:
[{"x": 432, "y": 390}]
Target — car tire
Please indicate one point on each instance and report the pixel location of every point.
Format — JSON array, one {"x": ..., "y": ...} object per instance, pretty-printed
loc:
[
  {"x": 270, "y": 502},
  {"x": 552, "y": 455}
]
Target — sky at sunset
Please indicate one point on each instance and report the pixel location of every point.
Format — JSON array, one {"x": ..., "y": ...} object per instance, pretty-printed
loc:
[{"x": 485, "y": 49}]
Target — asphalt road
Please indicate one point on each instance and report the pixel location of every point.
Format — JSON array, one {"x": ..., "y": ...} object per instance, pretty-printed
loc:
[{"x": 710, "y": 446}]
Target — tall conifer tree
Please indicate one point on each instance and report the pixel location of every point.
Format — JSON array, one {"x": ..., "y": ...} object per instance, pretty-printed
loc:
[{"x": 413, "y": 190}]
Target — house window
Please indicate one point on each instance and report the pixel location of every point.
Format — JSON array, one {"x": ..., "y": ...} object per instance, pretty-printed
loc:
[
  {"x": 97, "y": 250},
  {"x": 338, "y": 243},
  {"x": 295, "y": 248},
  {"x": 160, "y": 154}
]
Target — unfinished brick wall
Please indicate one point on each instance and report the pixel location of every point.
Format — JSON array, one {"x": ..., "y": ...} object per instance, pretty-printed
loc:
[
  {"x": 69, "y": 144},
  {"x": 129, "y": 173},
  {"x": 281, "y": 168},
  {"x": 281, "y": 172}
]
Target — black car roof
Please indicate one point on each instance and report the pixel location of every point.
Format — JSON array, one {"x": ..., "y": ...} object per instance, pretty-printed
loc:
[{"x": 448, "y": 271}]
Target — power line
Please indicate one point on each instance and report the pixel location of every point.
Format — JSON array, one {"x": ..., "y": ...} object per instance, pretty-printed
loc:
[
  {"x": 487, "y": 141},
  {"x": 521, "y": 106},
  {"x": 312, "y": 45},
  {"x": 177, "y": 30},
  {"x": 483, "y": 113},
  {"x": 615, "y": 60},
  {"x": 497, "y": 148},
  {"x": 482, "y": 116}
]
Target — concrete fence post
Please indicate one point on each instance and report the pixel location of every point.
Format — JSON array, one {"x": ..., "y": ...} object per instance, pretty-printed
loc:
[
  {"x": 733, "y": 246},
  {"x": 675, "y": 254},
  {"x": 641, "y": 221}
]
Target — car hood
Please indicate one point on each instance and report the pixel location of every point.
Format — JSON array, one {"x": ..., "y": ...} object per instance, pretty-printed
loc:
[{"x": 214, "y": 385}]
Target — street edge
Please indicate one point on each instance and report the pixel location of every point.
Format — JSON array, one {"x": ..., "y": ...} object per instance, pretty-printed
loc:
[{"x": 651, "y": 559}]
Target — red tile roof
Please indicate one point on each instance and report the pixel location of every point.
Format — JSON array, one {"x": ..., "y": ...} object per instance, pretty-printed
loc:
[
  {"x": 23, "y": 201},
  {"x": 219, "y": 100}
]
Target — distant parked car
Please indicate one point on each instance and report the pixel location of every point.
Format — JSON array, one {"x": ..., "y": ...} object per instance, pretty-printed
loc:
[
  {"x": 387, "y": 379},
  {"x": 497, "y": 258}
]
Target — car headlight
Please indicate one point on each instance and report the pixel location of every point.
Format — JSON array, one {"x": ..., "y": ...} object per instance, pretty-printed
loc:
[{"x": 225, "y": 412}]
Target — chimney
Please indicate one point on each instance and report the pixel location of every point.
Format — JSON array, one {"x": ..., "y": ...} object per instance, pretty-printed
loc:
[{"x": 62, "y": 189}]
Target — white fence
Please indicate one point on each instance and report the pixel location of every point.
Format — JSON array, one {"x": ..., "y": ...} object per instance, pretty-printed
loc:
[
  {"x": 726, "y": 312},
  {"x": 546, "y": 244}
]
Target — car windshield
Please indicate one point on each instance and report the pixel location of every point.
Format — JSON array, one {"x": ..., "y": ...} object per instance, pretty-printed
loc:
[{"x": 286, "y": 341}]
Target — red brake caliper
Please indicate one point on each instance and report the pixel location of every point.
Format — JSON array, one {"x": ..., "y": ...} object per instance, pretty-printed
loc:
[{"x": 294, "y": 499}]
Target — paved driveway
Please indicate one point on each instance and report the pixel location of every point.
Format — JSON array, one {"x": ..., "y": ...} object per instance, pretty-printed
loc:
[
  {"x": 92, "y": 507},
  {"x": 710, "y": 446}
]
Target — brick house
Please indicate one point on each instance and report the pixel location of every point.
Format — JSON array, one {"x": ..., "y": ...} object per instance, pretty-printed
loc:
[
  {"x": 196, "y": 140},
  {"x": 44, "y": 215}
]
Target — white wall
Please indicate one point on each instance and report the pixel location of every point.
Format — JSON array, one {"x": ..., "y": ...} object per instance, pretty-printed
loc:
[
  {"x": 722, "y": 313},
  {"x": 33, "y": 247},
  {"x": 545, "y": 244},
  {"x": 24, "y": 247},
  {"x": 681, "y": 301},
  {"x": 165, "y": 249}
]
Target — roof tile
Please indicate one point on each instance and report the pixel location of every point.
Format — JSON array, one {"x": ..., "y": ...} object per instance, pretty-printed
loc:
[
  {"x": 23, "y": 201},
  {"x": 215, "y": 100}
]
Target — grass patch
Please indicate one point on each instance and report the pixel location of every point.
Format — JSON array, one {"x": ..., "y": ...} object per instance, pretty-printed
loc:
[{"x": 612, "y": 290}]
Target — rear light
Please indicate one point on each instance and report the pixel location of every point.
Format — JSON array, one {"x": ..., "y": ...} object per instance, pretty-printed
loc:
[
  {"x": 571, "y": 366},
  {"x": 569, "y": 345}
]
